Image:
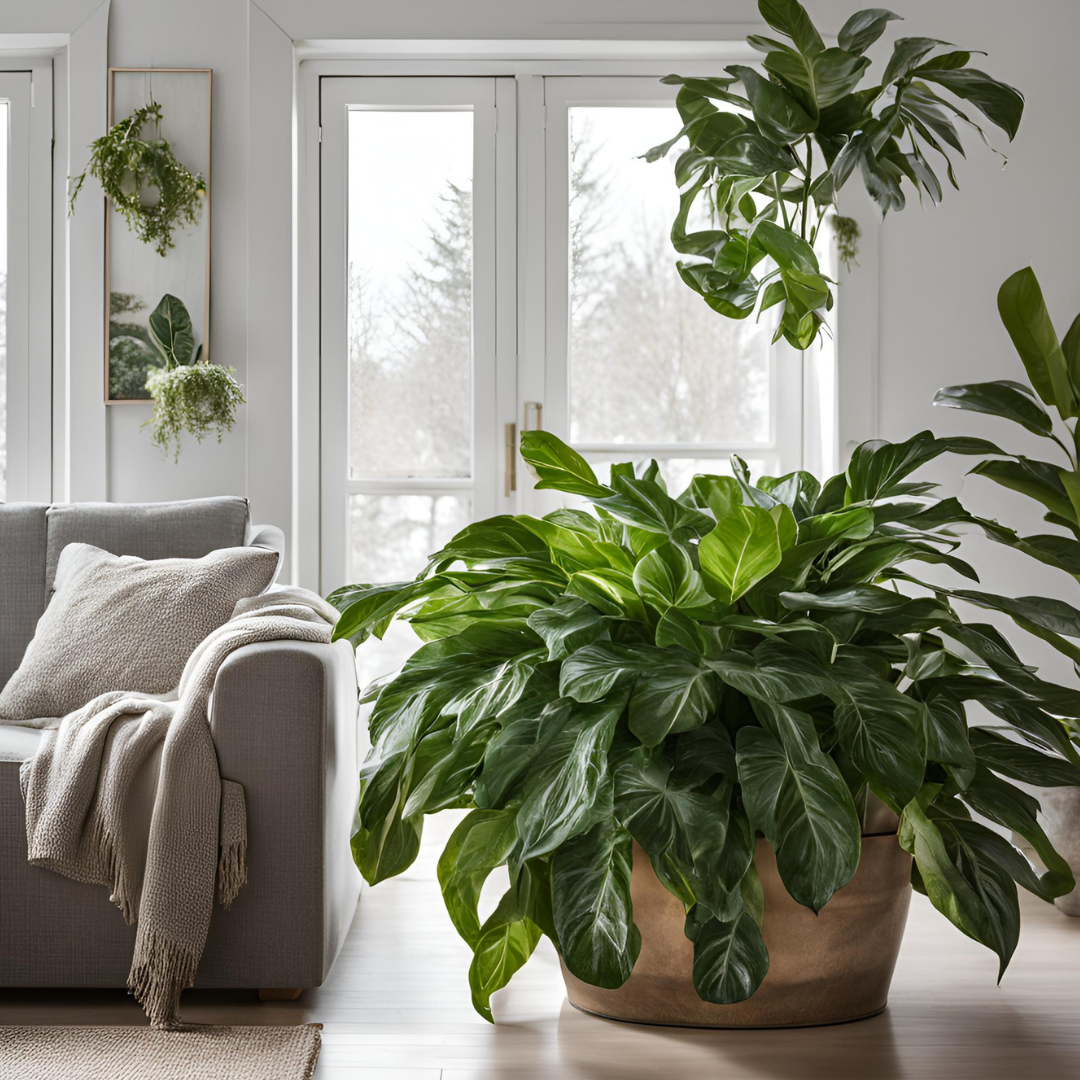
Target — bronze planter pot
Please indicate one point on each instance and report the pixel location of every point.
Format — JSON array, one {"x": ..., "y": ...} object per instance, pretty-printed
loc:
[{"x": 823, "y": 969}]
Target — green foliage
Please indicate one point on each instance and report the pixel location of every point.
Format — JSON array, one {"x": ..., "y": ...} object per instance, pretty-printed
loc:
[
  {"x": 769, "y": 152},
  {"x": 685, "y": 672},
  {"x": 1052, "y": 366},
  {"x": 128, "y": 166},
  {"x": 189, "y": 394}
]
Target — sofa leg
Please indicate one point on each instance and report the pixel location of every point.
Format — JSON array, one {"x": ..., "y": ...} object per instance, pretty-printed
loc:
[{"x": 280, "y": 995}]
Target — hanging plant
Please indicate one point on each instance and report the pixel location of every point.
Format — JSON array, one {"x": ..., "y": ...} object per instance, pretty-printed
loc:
[
  {"x": 190, "y": 394},
  {"x": 146, "y": 182},
  {"x": 768, "y": 161}
]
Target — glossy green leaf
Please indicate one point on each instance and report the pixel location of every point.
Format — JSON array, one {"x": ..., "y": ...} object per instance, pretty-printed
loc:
[
  {"x": 506, "y": 941},
  {"x": 558, "y": 466},
  {"x": 796, "y": 796},
  {"x": 863, "y": 29},
  {"x": 730, "y": 959},
  {"x": 481, "y": 842},
  {"x": 792, "y": 20},
  {"x": 1000, "y": 103},
  {"x": 678, "y": 695},
  {"x": 667, "y": 578},
  {"x": 171, "y": 331},
  {"x": 567, "y": 625},
  {"x": 1024, "y": 314},
  {"x": 1002, "y": 398},
  {"x": 739, "y": 552},
  {"x": 593, "y": 912}
]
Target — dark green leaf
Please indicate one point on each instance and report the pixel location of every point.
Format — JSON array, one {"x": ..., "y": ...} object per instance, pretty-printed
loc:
[
  {"x": 1020, "y": 762},
  {"x": 730, "y": 959},
  {"x": 507, "y": 939},
  {"x": 1000, "y": 398},
  {"x": 863, "y": 29},
  {"x": 677, "y": 695},
  {"x": 1000, "y": 103},
  {"x": 567, "y": 625},
  {"x": 171, "y": 331},
  {"x": 791, "y": 19},
  {"x": 1023, "y": 312},
  {"x": 593, "y": 913}
]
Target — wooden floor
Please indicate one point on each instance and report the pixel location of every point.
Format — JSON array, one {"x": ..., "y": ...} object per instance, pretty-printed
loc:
[{"x": 396, "y": 1007}]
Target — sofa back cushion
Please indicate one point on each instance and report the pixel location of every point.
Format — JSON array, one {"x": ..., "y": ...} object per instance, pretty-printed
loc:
[
  {"x": 174, "y": 530},
  {"x": 117, "y": 622},
  {"x": 22, "y": 580}
]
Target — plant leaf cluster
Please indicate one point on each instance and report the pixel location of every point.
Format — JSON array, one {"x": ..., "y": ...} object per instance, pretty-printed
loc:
[
  {"x": 189, "y": 394},
  {"x": 771, "y": 147},
  {"x": 1052, "y": 366},
  {"x": 688, "y": 672},
  {"x": 148, "y": 185}
]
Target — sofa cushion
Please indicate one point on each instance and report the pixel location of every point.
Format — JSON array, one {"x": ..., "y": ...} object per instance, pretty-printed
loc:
[
  {"x": 22, "y": 580},
  {"x": 173, "y": 530},
  {"x": 123, "y": 623},
  {"x": 18, "y": 743}
]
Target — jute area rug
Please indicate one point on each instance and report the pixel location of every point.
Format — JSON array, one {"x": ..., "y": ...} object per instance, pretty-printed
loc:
[{"x": 139, "y": 1053}]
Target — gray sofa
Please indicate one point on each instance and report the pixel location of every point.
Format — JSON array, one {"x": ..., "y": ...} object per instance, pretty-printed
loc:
[{"x": 283, "y": 716}]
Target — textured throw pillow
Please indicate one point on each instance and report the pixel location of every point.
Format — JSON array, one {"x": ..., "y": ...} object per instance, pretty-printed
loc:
[{"x": 117, "y": 622}]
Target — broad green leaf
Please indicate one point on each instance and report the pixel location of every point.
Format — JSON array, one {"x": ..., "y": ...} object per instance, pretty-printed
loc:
[
  {"x": 796, "y": 796},
  {"x": 171, "y": 331},
  {"x": 611, "y": 592},
  {"x": 739, "y": 552},
  {"x": 863, "y": 598},
  {"x": 1001, "y": 104},
  {"x": 774, "y": 672},
  {"x": 646, "y": 505},
  {"x": 880, "y": 729},
  {"x": 480, "y": 843},
  {"x": 977, "y": 908},
  {"x": 906, "y": 55},
  {"x": 677, "y": 694},
  {"x": 876, "y": 467},
  {"x": 494, "y": 538},
  {"x": 791, "y": 19},
  {"x": 558, "y": 466},
  {"x": 789, "y": 250},
  {"x": 1019, "y": 762},
  {"x": 1070, "y": 347},
  {"x": 863, "y": 29},
  {"x": 667, "y": 578},
  {"x": 820, "y": 80},
  {"x": 1007, "y": 805},
  {"x": 388, "y": 848},
  {"x": 599, "y": 942},
  {"x": 559, "y": 793},
  {"x": 947, "y": 736},
  {"x": 753, "y": 155},
  {"x": 1037, "y": 479},
  {"x": 678, "y": 630},
  {"x": 718, "y": 494},
  {"x": 507, "y": 939},
  {"x": 567, "y": 625},
  {"x": 1002, "y": 398},
  {"x": 730, "y": 959},
  {"x": 1024, "y": 314}
]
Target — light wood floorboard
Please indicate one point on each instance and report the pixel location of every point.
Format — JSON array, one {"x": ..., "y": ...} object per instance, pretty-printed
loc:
[{"x": 396, "y": 1007}]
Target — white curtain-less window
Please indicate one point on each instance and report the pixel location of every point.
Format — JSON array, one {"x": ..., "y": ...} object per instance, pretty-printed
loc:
[
  {"x": 25, "y": 287},
  {"x": 495, "y": 252}
]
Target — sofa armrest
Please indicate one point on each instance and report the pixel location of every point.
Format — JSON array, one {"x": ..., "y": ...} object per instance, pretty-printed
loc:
[{"x": 284, "y": 722}]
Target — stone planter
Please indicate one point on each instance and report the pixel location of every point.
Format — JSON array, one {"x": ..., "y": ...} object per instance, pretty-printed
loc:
[
  {"x": 1061, "y": 820},
  {"x": 823, "y": 969}
]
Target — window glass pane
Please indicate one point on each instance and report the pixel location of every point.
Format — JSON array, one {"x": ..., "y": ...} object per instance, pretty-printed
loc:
[
  {"x": 649, "y": 360},
  {"x": 391, "y": 536},
  {"x": 4, "y": 129},
  {"x": 410, "y": 293}
]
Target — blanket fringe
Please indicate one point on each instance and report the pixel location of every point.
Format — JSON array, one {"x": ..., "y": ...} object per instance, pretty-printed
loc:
[
  {"x": 160, "y": 972},
  {"x": 121, "y": 890},
  {"x": 232, "y": 852}
]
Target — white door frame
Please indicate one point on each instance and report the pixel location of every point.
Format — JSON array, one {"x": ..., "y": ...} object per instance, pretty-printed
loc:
[
  {"x": 493, "y": 281},
  {"x": 26, "y": 86}
]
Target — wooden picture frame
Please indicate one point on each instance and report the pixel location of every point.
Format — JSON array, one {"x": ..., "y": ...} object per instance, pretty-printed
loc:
[{"x": 136, "y": 276}]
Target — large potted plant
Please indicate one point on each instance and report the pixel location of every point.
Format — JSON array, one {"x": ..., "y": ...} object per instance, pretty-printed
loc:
[
  {"x": 674, "y": 719},
  {"x": 769, "y": 148},
  {"x": 1053, "y": 372}
]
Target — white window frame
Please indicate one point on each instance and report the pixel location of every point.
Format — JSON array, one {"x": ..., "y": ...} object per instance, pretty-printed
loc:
[
  {"x": 562, "y": 93},
  {"x": 26, "y": 85},
  {"x": 528, "y": 64},
  {"x": 485, "y": 98}
]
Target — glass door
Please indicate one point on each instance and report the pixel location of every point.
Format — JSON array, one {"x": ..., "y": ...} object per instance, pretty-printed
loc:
[{"x": 410, "y": 376}]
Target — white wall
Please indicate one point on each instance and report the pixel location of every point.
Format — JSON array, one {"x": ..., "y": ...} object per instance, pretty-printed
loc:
[
  {"x": 939, "y": 268},
  {"x": 196, "y": 33}
]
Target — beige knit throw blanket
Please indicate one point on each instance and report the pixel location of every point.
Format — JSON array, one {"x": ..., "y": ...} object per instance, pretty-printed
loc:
[{"x": 126, "y": 792}]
